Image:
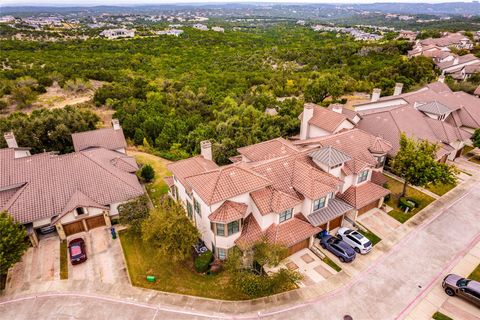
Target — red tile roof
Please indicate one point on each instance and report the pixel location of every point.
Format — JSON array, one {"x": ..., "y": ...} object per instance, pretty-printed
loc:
[
  {"x": 270, "y": 200},
  {"x": 251, "y": 233},
  {"x": 189, "y": 167},
  {"x": 325, "y": 119},
  {"x": 168, "y": 181},
  {"x": 366, "y": 193},
  {"x": 290, "y": 232},
  {"x": 107, "y": 138},
  {"x": 78, "y": 199},
  {"x": 268, "y": 150},
  {"x": 225, "y": 182},
  {"x": 378, "y": 178},
  {"x": 49, "y": 181},
  {"x": 229, "y": 211}
]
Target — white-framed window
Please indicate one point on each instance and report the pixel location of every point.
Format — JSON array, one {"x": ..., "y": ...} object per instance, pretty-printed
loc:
[
  {"x": 222, "y": 253},
  {"x": 330, "y": 195},
  {"x": 336, "y": 166},
  {"x": 197, "y": 207},
  {"x": 362, "y": 176},
  {"x": 189, "y": 210},
  {"x": 220, "y": 228},
  {"x": 286, "y": 215},
  {"x": 319, "y": 203}
]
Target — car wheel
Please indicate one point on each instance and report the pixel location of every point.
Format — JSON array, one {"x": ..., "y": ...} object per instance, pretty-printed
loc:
[
  {"x": 342, "y": 259},
  {"x": 339, "y": 237},
  {"x": 450, "y": 292},
  {"x": 357, "y": 250},
  {"x": 323, "y": 246}
]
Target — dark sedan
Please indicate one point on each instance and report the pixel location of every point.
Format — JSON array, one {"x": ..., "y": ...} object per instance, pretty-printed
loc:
[
  {"x": 338, "y": 247},
  {"x": 77, "y": 251}
]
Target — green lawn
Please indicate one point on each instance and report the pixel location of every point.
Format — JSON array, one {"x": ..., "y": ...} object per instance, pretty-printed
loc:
[
  {"x": 396, "y": 188},
  {"x": 467, "y": 149},
  {"x": 440, "y": 188},
  {"x": 142, "y": 260},
  {"x": 332, "y": 264},
  {"x": 475, "y": 275},
  {"x": 440, "y": 316},
  {"x": 63, "y": 260},
  {"x": 157, "y": 187},
  {"x": 370, "y": 235}
]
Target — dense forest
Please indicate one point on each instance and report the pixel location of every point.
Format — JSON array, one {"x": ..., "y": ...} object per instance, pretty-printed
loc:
[{"x": 170, "y": 93}]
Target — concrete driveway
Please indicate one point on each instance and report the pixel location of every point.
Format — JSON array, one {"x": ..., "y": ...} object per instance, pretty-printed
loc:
[
  {"x": 104, "y": 258},
  {"x": 37, "y": 264},
  {"x": 379, "y": 222}
]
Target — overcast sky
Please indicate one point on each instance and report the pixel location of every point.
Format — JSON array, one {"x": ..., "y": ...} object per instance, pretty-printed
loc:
[{"x": 139, "y": 2}]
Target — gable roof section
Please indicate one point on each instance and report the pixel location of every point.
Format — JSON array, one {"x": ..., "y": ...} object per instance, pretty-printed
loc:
[
  {"x": 189, "y": 167},
  {"x": 326, "y": 119},
  {"x": 107, "y": 138},
  {"x": 360, "y": 196},
  {"x": 225, "y": 182},
  {"x": 269, "y": 200},
  {"x": 229, "y": 211},
  {"x": 51, "y": 180},
  {"x": 329, "y": 156},
  {"x": 268, "y": 150},
  {"x": 251, "y": 233},
  {"x": 447, "y": 133},
  {"x": 434, "y": 107},
  {"x": 290, "y": 232},
  {"x": 78, "y": 199},
  {"x": 312, "y": 182}
]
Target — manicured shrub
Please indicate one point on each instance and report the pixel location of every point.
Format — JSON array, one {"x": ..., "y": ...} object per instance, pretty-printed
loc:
[
  {"x": 405, "y": 203},
  {"x": 147, "y": 173},
  {"x": 202, "y": 262}
]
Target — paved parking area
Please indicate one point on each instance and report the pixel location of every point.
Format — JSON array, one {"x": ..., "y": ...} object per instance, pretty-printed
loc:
[
  {"x": 104, "y": 258},
  {"x": 379, "y": 222},
  {"x": 37, "y": 264}
]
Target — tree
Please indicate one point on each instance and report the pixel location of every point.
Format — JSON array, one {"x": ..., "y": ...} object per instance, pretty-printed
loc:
[
  {"x": 133, "y": 213},
  {"x": 170, "y": 231},
  {"x": 322, "y": 87},
  {"x": 416, "y": 163},
  {"x": 147, "y": 173},
  {"x": 266, "y": 253},
  {"x": 23, "y": 96},
  {"x": 12, "y": 242},
  {"x": 476, "y": 138}
]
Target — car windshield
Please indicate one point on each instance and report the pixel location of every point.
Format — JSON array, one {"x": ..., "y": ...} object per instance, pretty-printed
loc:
[
  {"x": 75, "y": 251},
  {"x": 462, "y": 282},
  {"x": 348, "y": 231},
  {"x": 357, "y": 235},
  {"x": 367, "y": 244},
  {"x": 334, "y": 240}
]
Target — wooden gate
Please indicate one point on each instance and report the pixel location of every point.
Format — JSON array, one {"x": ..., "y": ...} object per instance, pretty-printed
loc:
[
  {"x": 95, "y": 222},
  {"x": 299, "y": 246},
  {"x": 335, "y": 223},
  {"x": 72, "y": 228}
]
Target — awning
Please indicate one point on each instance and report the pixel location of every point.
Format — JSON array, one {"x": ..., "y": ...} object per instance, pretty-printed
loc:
[{"x": 335, "y": 209}]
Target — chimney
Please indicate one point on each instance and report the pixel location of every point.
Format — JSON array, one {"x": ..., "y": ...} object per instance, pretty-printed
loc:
[
  {"x": 116, "y": 124},
  {"x": 307, "y": 115},
  {"x": 10, "y": 139},
  {"x": 206, "y": 149},
  {"x": 376, "y": 94},
  {"x": 441, "y": 78},
  {"x": 398, "y": 89},
  {"x": 337, "y": 107}
]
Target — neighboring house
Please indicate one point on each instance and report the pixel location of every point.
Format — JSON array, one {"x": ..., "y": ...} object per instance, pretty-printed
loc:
[
  {"x": 73, "y": 192},
  {"x": 200, "y": 26},
  {"x": 434, "y": 113},
  {"x": 407, "y": 34},
  {"x": 459, "y": 67},
  {"x": 218, "y": 29},
  {"x": 117, "y": 33},
  {"x": 108, "y": 138},
  {"x": 171, "y": 32},
  {"x": 317, "y": 121},
  {"x": 280, "y": 191},
  {"x": 455, "y": 40}
]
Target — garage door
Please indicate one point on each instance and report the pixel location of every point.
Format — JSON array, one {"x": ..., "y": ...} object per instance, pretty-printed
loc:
[
  {"x": 95, "y": 222},
  {"x": 335, "y": 223},
  {"x": 369, "y": 206},
  {"x": 73, "y": 228},
  {"x": 299, "y": 246}
]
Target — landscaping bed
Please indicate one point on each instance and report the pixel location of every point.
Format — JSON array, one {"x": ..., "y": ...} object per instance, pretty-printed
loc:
[
  {"x": 475, "y": 275},
  {"x": 369, "y": 234},
  {"x": 440, "y": 188},
  {"x": 419, "y": 197},
  {"x": 63, "y": 260},
  {"x": 142, "y": 260},
  {"x": 440, "y": 316}
]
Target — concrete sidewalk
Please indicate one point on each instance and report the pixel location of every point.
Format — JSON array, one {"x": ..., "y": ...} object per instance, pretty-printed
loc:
[{"x": 436, "y": 299}]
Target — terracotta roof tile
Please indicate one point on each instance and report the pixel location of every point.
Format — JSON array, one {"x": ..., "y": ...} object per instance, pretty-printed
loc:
[
  {"x": 268, "y": 150},
  {"x": 290, "y": 232},
  {"x": 189, "y": 167},
  {"x": 270, "y": 200},
  {"x": 326, "y": 119},
  {"x": 360, "y": 196},
  {"x": 229, "y": 211},
  {"x": 168, "y": 181},
  {"x": 107, "y": 138},
  {"x": 251, "y": 233},
  {"x": 378, "y": 178}
]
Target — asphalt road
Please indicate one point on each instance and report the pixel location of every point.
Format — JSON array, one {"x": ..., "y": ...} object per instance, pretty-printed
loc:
[{"x": 384, "y": 291}]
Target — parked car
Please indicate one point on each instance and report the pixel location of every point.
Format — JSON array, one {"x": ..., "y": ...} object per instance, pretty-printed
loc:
[
  {"x": 355, "y": 239},
  {"x": 338, "y": 247},
  {"x": 47, "y": 229},
  {"x": 77, "y": 251},
  {"x": 462, "y": 287}
]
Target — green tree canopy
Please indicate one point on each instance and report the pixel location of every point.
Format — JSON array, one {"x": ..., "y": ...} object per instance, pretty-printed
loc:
[
  {"x": 323, "y": 86},
  {"x": 416, "y": 163},
  {"x": 133, "y": 213},
  {"x": 170, "y": 231},
  {"x": 12, "y": 242},
  {"x": 476, "y": 138},
  {"x": 147, "y": 173}
]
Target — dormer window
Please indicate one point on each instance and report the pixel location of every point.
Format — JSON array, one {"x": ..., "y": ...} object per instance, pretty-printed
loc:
[
  {"x": 286, "y": 215},
  {"x": 80, "y": 211},
  {"x": 319, "y": 203},
  {"x": 362, "y": 176}
]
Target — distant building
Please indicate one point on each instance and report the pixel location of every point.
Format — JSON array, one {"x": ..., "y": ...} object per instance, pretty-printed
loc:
[
  {"x": 117, "y": 33},
  {"x": 200, "y": 26},
  {"x": 7, "y": 19},
  {"x": 218, "y": 29},
  {"x": 409, "y": 35},
  {"x": 170, "y": 32}
]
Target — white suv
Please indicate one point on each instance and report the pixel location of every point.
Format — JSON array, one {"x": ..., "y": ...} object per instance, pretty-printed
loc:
[{"x": 355, "y": 239}]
